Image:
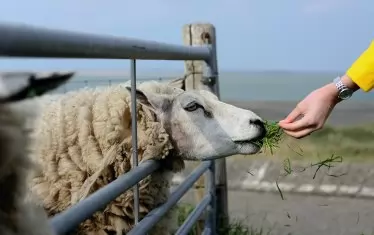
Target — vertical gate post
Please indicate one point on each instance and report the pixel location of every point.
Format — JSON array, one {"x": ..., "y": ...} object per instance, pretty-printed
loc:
[{"x": 200, "y": 34}]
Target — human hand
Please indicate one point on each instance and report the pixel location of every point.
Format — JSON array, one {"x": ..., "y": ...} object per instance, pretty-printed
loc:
[{"x": 311, "y": 113}]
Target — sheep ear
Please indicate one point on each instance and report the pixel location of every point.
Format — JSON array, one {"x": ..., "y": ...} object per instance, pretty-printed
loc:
[
  {"x": 19, "y": 86},
  {"x": 179, "y": 83},
  {"x": 153, "y": 101}
]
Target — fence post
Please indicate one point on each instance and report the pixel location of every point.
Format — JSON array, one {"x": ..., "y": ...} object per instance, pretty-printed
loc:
[{"x": 199, "y": 34}]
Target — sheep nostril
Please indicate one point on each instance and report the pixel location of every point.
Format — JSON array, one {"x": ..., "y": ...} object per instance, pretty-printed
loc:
[
  {"x": 256, "y": 122},
  {"x": 262, "y": 131},
  {"x": 260, "y": 125}
]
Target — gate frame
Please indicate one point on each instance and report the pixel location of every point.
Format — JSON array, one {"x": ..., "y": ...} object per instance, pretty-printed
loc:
[{"x": 21, "y": 40}]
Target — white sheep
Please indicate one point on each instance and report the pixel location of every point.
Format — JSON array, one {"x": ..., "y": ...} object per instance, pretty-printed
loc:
[
  {"x": 19, "y": 216},
  {"x": 82, "y": 141}
]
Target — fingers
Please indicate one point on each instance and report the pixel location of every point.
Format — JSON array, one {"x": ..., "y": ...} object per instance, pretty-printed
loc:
[
  {"x": 301, "y": 133},
  {"x": 292, "y": 116},
  {"x": 297, "y": 125},
  {"x": 299, "y": 128}
]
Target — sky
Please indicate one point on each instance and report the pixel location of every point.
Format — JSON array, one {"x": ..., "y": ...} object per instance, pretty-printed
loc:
[{"x": 303, "y": 35}]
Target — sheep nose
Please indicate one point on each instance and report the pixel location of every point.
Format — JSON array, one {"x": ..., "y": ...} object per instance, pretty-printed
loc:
[{"x": 260, "y": 126}]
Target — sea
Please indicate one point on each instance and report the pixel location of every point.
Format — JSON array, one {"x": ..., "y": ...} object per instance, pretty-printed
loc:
[{"x": 234, "y": 85}]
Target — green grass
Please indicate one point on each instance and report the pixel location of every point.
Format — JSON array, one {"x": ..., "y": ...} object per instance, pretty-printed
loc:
[
  {"x": 354, "y": 143},
  {"x": 236, "y": 227},
  {"x": 274, "y": 136}
]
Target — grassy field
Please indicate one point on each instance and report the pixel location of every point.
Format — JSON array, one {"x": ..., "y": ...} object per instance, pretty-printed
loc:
[{"x": 353, "y": 143}]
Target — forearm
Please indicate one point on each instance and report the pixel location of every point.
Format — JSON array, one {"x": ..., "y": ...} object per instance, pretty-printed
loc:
[{"x": 361, "y": 73}]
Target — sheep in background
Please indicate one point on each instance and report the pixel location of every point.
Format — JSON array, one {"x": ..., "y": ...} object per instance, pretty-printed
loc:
[
  {"x": 82, "y": 141},
  {"x": 17, "y": 215}
]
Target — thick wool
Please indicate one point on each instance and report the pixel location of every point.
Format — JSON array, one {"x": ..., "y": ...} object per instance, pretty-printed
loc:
[
  {"x": 17, "y": 215},
  {"x": 82, "y": 142}
]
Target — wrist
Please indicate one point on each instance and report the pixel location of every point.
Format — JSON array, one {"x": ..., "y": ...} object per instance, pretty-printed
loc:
[
  {"x": 332, "y": 92},
  {"x": 337, "y": 91},
  {"x": 348, "y": 82}
]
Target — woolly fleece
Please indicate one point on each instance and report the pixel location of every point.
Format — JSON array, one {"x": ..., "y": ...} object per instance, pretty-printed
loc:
[{"x": 82, "y": 141}]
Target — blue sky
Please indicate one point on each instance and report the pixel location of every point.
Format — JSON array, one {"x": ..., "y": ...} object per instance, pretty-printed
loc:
[{"x": 251, "y": 34}]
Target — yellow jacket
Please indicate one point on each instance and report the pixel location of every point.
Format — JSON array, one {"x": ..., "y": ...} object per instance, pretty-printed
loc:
[{"x": 362, "y": 70}]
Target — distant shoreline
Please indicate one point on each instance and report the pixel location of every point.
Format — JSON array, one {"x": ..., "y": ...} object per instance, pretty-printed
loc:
[
  {"x": 251, "y": 91},
  {"x": 152, "y": 72},
  {"x": 349, "y": 113}
]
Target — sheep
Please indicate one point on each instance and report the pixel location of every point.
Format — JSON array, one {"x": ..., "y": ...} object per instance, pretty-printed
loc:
[
  {"x": 82, "y": 141},
  {"x": 18, "y": 216}
]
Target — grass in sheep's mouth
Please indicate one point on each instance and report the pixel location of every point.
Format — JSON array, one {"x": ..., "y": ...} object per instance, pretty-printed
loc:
[{"x": 273, "y": 136}]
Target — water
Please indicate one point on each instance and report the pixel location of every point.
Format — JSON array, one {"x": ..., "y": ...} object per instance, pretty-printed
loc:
[{"x": 242, "y": 86}]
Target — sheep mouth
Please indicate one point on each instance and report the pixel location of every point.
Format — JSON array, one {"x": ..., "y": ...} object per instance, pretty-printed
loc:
[{"x": 256, "y": 141}]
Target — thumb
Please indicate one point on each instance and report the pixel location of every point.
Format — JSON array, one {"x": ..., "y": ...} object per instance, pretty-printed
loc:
[{"x": 292, "y": 116}]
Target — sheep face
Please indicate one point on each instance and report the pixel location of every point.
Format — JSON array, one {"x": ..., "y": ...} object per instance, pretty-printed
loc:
[{"x": 202, "y": 127}]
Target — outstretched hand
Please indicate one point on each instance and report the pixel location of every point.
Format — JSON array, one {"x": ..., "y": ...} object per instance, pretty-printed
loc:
[{"x": 311, "y": 113}]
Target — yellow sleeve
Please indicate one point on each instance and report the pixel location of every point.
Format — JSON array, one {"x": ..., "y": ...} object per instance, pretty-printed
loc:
[{"x": 362, "y": 70}]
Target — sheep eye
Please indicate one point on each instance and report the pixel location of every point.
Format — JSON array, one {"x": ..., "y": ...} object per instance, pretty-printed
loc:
[{"x": 191, "y": 107}]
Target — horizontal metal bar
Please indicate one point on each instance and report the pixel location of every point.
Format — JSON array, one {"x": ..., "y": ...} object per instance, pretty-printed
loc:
[
  {"x": 69, "y": 219},
  {"x": 156, "y": 214},
  {"x": 185, "y": 228},
  {"x": 21, "y": 40}
]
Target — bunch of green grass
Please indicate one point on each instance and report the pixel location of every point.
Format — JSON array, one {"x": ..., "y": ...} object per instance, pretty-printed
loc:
[{"x": 274, "y": 135}]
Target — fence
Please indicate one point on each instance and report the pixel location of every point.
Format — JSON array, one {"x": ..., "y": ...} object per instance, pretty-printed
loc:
[
  {"x": 27, "y": 41},
  {"x": 90, "y": 82}
]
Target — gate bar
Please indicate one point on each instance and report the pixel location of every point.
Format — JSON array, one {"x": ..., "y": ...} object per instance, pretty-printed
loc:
[
  {"x": 69, "y": 219},
  {"x": 210, "y": 188},
  {"x": 134, "y": 136},
  {"x": 185, "y": 228},
  {"x": 156, "y": 214},
  {"x": 21, "y": 40}
]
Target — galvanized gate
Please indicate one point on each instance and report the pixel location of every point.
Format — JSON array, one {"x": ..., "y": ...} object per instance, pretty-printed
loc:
[{"x": 27, "y": 41}]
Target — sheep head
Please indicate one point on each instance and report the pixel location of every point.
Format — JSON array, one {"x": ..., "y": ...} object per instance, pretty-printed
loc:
[
  {"x": 202, "y": 127},
  {"x": 19, "y": 86},
  {"x": 15, "y": 89}
]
